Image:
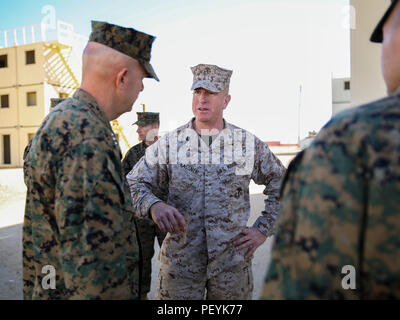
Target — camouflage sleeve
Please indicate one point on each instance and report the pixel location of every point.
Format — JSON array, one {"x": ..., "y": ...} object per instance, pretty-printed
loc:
[
  {"x": 126, "y": 163},
  {"x": 148, "y": 182},
  {"x": 26, "y": 164},
  {"x": 268, "y": 171},
  {"x": 29, "y": 272},
  {"x": 318, "y": 226},
  {"x": 90, "y": 219},
  {"x": 129, "y": 161}
]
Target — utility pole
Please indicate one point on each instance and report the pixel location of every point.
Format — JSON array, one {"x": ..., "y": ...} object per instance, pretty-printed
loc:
[{"x": 298, "y": 117}]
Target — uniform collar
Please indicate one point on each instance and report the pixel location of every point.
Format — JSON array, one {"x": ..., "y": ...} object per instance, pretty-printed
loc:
[
  {"x": 88, "y": 100},
  {"x": 144, "y": 145},
  {"x": 190, "y": 124}
]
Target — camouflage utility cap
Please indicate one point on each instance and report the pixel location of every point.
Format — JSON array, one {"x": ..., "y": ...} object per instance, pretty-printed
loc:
[
  {"x": 377, "y": 35},
  {"x": 129, "y": 41},
  {"x": 55, "y": 101},
  {"x": 146, "y": 118},
  {"x": 210, "y": 77}
]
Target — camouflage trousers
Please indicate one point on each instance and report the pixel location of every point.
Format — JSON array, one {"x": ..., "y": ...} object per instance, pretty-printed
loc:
[
  {"x": 147, "y": 231},
  {"x": 235, "y": 283}
]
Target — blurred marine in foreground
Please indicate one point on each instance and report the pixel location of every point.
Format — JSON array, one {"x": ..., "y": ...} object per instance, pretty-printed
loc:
[
  {"x": 339, "y": 229},
  {"x": 79, "y": 235}
]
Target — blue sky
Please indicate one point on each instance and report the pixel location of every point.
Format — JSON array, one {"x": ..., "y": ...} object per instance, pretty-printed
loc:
[
  {"x": 272, "y": 46},
  {"x": 141, "y": 14}
]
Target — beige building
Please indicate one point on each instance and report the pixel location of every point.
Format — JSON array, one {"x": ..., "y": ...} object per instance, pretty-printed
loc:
[
  {"x": 284, "y": 152},
  {"x": 31, "y": 74},
  {"x": 341, "y": 97},
  {"x": 366, "y": 76},
  {"x": 366, "y": 83}
]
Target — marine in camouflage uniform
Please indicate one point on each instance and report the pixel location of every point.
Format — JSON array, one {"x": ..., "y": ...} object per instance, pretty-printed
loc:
[
  {"x": 136, "y": 152},
  {"x": 147, "y": 229},
  {"x": 340, "y": 207},
  {"x": 213, "y": 197},
  {"x": 133, "y": 156},
  {"x": 78, "y": 213}
]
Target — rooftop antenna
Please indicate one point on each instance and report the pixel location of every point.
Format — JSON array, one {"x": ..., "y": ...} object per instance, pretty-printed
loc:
[{"x": 298, "y": 118}]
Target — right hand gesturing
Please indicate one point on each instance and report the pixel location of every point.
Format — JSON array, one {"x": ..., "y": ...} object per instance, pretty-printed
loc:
[{"x": 167, "y": 218}]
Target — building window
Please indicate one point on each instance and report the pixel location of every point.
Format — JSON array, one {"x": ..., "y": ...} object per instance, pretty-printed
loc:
[
  {"x": 6, "y": 149},
  {"x": 30, "y": 57},
  {"x": 63, "y": 95},
  {"x": 347, "y": 85},
  {"x": 31, "y": 99},
  {"x": 4, "y": 101},
  {"x": 3, "y": 61}
]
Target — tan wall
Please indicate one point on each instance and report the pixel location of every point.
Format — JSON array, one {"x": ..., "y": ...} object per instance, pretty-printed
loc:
[
  {"x": 23, "y": 141},
  {"x": 8, "y": 75},
  {"x": 338, "y": 107},
  {"x": 9, "y": 116},
  {"x": 18, "y": 111},
  {"x": 285, "y": 153},
  {"x": 14, "y": 142},
  {"x": 19, "y": 139},
  {"x": 30, "y": 73},
  {"x": 33, "y": 115},
  {"x": 18, "y": 72},
  {"x": 17, "y": 80},
  {"x": 366, "y": 77},
  {"x": 49, "y": 92}
]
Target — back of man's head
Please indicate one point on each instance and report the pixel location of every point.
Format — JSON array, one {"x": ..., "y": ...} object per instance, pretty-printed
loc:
[
  {"x": 102, "y": 64},
  {"x": 112, "y": 78},
  {"x": 115, "y": 62}
]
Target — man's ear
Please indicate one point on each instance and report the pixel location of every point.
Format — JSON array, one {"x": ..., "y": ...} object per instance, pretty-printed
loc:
[
  {"x": 120, "y": 80},
  {"x": 226, "y": 101}
]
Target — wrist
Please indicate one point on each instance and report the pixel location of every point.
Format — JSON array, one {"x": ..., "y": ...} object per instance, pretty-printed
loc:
[{"x": 151, "y": 209}]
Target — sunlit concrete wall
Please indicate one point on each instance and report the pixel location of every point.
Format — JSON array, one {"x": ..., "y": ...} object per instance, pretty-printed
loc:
[
  {"x": 16, "y": 80},
  {"x": 341, "y": 97},
  {"x": 366, "y": 77}
]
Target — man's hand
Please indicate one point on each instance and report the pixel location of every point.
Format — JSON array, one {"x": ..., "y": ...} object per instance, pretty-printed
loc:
[
  {"x": 167, "y": 218},
  {"x": 252, "y": 239}
]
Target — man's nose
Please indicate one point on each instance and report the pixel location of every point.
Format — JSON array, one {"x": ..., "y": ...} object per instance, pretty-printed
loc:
[{"x": 203, "y": 96}]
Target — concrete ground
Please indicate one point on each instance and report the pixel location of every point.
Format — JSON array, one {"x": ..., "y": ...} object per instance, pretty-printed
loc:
[{"x": 12, "y": 203}]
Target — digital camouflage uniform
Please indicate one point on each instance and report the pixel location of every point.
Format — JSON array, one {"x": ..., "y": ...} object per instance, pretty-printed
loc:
[
  {"x": 214, "y": 200},
  {"x": 147, "y": 229},
  {"x": 53, "y": 103},
  {"x": 339, "y": 226},
  {"x": 341, "y": 206},
  {"x": 208, "y": 184},
  {"x": 133, "y": 156},
  {"x": 78, "y": 213}
]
